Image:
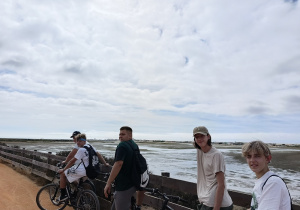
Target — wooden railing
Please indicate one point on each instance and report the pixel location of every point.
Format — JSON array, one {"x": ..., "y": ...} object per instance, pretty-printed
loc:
[{"x": 44, "y": 165}]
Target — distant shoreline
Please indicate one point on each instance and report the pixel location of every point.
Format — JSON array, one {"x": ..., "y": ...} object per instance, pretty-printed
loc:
[{"x": 216, "y": 144}]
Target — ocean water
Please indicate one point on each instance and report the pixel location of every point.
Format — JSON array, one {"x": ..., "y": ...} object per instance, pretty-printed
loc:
[{"x": 181, "y": 163}]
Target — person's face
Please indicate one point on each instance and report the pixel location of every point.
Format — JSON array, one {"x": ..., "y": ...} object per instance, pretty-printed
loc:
[
  {"x": 80, "y": 143},
  {"x": 74, "y": 139},
  {"x": 258, "y": 163},
  {"x": 124, "y": 135},
  {"x": 201, "y": 139}
]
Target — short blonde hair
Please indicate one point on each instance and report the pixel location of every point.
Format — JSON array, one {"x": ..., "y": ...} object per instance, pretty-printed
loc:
[
  {"x": 80, "y": 136},
  {"x": 256, "y": 146}
]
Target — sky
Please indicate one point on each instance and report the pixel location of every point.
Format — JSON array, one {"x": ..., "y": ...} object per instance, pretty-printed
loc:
[{"x": 160, "y": 67}]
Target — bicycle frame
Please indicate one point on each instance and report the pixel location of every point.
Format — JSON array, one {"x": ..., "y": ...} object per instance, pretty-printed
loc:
[
  {"x": 166, "y": 198},
  {"x": 78, "y": 194}
]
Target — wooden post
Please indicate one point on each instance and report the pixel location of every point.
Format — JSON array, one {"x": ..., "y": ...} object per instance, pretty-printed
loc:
[
  {"x": 22, "y": 154},
  {"x": 48, "y": 158},
  {"x": 166, "y": 174},
  {"x": 33, "y": 157}
]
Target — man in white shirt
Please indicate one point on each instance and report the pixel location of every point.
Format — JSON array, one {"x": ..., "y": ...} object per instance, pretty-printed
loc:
[{"x": 73, "y": 172}]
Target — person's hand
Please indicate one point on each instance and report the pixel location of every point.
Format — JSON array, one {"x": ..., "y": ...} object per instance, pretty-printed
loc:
[
  {"x": 60, "y": 171},
  {"x": 106, "y": 164},
  {"x": 107, "y": 190}
]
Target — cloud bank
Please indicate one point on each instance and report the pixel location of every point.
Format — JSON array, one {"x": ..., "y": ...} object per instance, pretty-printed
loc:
[{"x": 161, "y": 67}]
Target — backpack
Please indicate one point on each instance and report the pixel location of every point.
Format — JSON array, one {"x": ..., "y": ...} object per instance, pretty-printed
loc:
[
  {"x": 139, "y": 173},
  {"x": 93, "y": 169},
  {"x": 285, "y": 185}
]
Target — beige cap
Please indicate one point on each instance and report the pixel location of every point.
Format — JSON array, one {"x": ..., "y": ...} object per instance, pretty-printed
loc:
[{"x": 200, "y": 129}]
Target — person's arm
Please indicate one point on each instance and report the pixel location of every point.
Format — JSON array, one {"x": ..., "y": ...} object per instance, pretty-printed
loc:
[
  {"x": 70, "y": 163},
  {"x": 70, "y": 155},
  {"x": 220, "y": 190},
  {"x": 113, "y": 174},
  {"x": 102, "y": 159}
]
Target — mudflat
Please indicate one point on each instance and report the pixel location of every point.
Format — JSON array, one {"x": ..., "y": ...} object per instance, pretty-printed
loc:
[{"x": 286, "y": 160}]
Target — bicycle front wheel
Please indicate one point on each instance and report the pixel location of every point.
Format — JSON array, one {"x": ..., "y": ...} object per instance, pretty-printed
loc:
[
  {"x": 47, "y": 196},
  {"x": 87, "y": 199}
]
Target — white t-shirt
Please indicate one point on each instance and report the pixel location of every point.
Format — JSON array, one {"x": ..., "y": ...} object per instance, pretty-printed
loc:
[
  {"x": 76, "y": 147},
  {"x": 77, "y": 170},
  {"x": 208, "y": 164},
  {"x": 82, "y": 154},
  {"x": 274, "y": 195}
]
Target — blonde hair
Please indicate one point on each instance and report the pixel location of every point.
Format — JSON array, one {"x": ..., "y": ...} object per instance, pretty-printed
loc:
[
  {"x": 80, "y": 136},
  {"x": 257, "y": 147}
]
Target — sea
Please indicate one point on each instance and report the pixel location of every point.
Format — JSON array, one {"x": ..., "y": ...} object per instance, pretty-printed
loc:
[{"x": 179, "y": 159}]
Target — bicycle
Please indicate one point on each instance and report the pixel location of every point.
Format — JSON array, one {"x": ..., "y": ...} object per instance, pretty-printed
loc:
[
  {"x": 166, "y": 198},
  {"x": 153, "y": 191},
  {"x": 81, "y": 196}
]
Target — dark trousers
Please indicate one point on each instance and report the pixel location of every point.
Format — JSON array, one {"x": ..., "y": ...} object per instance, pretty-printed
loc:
[{"x": 203, "y": 207}]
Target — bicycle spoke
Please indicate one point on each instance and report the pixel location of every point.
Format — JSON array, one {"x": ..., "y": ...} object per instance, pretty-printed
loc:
[
  {"x": 88, "y": 200},
  {"x": 47, "y": 196}
]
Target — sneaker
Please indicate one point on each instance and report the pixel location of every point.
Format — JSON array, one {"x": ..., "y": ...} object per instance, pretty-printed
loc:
[{"x": 62, "y": 198}]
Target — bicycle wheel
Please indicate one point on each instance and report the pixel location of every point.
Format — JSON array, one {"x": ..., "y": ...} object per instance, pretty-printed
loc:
[
  {"x": 88, "y": 185},
  {"x": 46, "y": 198},
  {"x": 88, "y": 200}
]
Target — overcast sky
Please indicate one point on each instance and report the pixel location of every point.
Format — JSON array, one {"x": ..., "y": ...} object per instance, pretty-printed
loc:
[{"x": 161, "y": 67}]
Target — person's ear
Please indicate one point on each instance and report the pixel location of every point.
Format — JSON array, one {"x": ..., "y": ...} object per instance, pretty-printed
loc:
[{"x": 268, "y": 158}]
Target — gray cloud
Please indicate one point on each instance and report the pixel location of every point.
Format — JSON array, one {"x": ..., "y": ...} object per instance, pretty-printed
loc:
[
  {"x": 13, "y": 63},
  {"x": 293, "y": 103},
  {"x": 129, "y": 62}
]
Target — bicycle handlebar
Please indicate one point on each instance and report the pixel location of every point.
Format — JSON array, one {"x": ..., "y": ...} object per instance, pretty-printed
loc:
[
  {"x": 61, "y": 165},
  {"x": 176, "y": 198}
]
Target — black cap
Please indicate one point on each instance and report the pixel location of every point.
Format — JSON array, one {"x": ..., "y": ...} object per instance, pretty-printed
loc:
[{"x": 75, "y": 133}]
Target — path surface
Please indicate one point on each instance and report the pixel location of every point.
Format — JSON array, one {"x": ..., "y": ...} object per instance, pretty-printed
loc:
[{"x": 17, "y": 192}]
